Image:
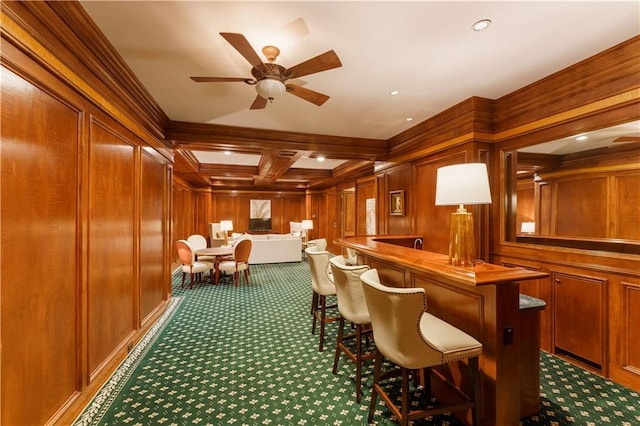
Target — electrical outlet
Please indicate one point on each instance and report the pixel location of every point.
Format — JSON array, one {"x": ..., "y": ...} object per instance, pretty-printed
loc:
[{"x": 507, "y": 336}]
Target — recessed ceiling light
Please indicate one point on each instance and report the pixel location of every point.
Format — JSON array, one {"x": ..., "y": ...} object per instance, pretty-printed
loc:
[
  {"x": 394, "y": 92},
  {"x": 582, "y": 138},
  {"x": 320, "y": 158},
  {"x": 408, "y": 119},
  {"x": 481, "y": 25},
  {"x": 227, "y": 153}
]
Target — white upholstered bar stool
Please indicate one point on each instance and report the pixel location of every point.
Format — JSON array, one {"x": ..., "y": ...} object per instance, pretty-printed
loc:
[
  {"x": 413, "y": 339},
  {"x": 322, "y": 285},
  {"x": 319, "y": 244},
  {"x": 352, "y": 308}
]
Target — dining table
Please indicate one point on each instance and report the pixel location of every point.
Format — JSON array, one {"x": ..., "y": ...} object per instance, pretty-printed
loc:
[{"x": 218, "y": 253}]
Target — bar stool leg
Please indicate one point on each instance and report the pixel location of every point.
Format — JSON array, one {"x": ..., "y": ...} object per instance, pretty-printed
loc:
[{"x": 376, "y": 382}]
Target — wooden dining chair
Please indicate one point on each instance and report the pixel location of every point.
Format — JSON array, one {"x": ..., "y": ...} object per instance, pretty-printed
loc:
[
  {"x": 190, "y": 265},
  {"x": 239, "y": 262}
]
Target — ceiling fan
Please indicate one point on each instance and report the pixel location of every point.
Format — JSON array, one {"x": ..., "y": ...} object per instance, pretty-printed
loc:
[{"x": 269, "y": 78}]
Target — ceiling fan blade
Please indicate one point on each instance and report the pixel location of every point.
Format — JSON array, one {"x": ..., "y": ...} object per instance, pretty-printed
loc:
[
  {"x": 217, "y": 79},
  {"x": 325, "y": 61},
  {"x": 258, "y": 103},
  {"x": 240, "y": 43},
  {"x": 307, "y": 94},
  {"x": 627, "y": 139}
]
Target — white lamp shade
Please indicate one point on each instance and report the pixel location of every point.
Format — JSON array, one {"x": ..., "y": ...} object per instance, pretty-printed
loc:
[
  {"x": 270, "y": 89},
  {"x": 307, "y": 224},
  {"x": 466, "y": 183},
  {"x": 226, "y": 225}
]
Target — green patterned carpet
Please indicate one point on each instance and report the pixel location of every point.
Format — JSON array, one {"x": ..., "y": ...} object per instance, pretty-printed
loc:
[{"x": 245, "y": 356}]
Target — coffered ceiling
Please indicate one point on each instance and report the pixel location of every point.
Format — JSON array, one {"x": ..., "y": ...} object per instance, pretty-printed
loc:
[{"x": 426, "y": 50}]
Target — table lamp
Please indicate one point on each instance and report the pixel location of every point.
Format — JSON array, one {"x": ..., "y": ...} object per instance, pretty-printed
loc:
[
  {"x": 306, "y": 225},
  {"x": 462, "y": 184},
  {"x": 225, "y": 226}
]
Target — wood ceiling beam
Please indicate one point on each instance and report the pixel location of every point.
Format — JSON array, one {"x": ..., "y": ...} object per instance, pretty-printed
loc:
[
  {"x": 227, "y": 170},
  {"x": 211, "y": 137},
  {"x": 275, "y": 163}
]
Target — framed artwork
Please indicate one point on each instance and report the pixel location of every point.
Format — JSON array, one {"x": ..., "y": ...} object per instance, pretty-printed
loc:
[
  {"x": 396, "y": 203},
  {"x": 260, "y": 215},
  {"x": 371, "y": 216}
]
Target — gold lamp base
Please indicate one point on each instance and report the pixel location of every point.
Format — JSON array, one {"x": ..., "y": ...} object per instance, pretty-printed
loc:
[{"x": 462, "y": 251}]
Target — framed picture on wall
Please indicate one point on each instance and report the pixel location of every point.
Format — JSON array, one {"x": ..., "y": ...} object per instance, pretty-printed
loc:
[
  {"x": 396, "y": 203},
  {"x": 260, "y": 215}
]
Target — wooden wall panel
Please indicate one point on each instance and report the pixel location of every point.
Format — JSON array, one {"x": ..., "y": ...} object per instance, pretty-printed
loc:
[
  {"x": 579, "y": 309},
  {"x": 627, "y": 209},
  {"x": 526, "y": 204},
  {"x": 183, "y": 217},
  {"x": 613, "y": 71},
  {"x": 293, "y": 211},
  {"x": 400, "y": 179},
  {"x": 624, "y": 346},
  {"x": 153, "y": 216},
  {"x": 225, "y": 208},
  {"x": 40, "y": 289},
  {"x": 111, "y": 243},
  {"x": 236, "y": 207},
  {"x": 631, "y": 327},
  {"x": 544, "y": 224},
  {"x": 432, "y": 222},
  {"x": 365, "y": 189},
  {"x": 332, "y": 221},
  {"x": 348, "y": 213},
  {"x": 315, "y": 205},
  {"x": 576, "y": 219},
  {"x": 202, "y": 213}
]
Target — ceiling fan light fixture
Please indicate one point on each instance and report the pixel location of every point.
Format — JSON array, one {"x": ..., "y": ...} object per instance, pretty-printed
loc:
[{"x": 270, "y": 89}]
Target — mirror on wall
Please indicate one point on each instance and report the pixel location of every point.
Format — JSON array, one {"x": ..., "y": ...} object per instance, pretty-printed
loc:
[{"x": 581, "y": 191}]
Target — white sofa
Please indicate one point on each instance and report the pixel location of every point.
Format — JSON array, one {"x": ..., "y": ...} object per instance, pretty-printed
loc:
[{"x": 275, "y": 248}]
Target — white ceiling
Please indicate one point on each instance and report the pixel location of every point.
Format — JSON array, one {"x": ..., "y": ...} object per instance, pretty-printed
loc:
[
  {"x": 425, "y": 49},
  {"x": 589, "y": 140}
]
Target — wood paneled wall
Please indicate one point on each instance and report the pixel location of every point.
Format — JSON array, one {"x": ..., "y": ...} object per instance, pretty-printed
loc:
[
  {"x": 365, "y": 189},
  {"x": 195, "y": 208},
  {"x": 583, "y": 205},
  {"x": 87, "y": 198},
  {"x": 598, "y": 92},
  {"x": 85, "y": 222}
]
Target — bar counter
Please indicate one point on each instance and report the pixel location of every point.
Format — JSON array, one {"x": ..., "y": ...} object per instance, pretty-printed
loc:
[{"x": 483, "y": 301}]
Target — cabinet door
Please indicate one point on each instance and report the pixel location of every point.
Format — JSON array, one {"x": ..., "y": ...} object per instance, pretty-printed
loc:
[{"x": 578, "y": 316}]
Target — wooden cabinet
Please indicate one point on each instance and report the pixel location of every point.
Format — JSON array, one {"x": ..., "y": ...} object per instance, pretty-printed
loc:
[
  {"x": 578, "y": 314},
  {"x": 593, "y": 309}
]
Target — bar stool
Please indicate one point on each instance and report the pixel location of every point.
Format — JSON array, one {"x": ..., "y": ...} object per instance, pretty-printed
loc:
[
  {"x": 414, "y": 340},
  {"x": 322, "y": 284},
  {"x": 352, "y": 308}
]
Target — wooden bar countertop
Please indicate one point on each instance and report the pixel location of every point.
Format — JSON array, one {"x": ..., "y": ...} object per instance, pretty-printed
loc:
[
  {"x": 436, "y": 263},
  {"x": 483, "y": 301}
]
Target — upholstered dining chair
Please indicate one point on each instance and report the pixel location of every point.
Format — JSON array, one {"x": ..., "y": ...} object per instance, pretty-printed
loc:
[
  {"x": 197, "y": 242},
  {"x": 190, "y": 265},
  {"x": 216, "y": 235},
  {"x": 322, "y": 286},
  {"x": 413, "y": 339},
  {"x": 239, "y": 262},
  {"x": 353, "y": 308}
]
